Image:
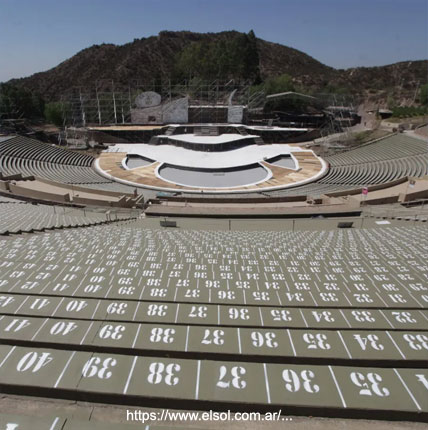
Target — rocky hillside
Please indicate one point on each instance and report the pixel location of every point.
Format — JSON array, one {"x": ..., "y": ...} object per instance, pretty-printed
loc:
[{"x": 156, "y": 57}]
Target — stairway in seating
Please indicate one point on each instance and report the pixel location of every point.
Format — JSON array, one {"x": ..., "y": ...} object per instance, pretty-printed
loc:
[
  {"x": 242, "y": 131},
  {"x": 170, "y": 131},
  {"x": 259, "y": 140}
]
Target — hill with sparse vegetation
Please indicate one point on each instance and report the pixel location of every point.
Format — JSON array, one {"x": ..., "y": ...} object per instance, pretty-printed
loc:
[{"x": 226, "y": 55}]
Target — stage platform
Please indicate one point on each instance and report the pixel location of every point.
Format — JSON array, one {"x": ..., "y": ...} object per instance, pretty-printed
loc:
[{"x": 248, "y": 169}]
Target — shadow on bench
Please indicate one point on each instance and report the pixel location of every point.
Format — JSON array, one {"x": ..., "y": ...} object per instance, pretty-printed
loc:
[
  {"x": 345, "y": 224},
  {"x": 167, "y": 223}
]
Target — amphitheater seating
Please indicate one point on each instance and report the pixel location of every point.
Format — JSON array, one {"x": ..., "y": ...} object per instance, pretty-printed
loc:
[
  {"x": 375, "y": 163},
  {"x": 397, "y": 211},
  {"x": 314, "y": 322},
  {"x": 24, "y": 217},
  {"x": 329, "y": 322},
  {"x": 31, "y": 157},
  {"x": 4, "y": 199}
]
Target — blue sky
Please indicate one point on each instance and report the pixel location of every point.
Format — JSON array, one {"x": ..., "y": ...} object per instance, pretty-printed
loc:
[{"x": 36, "y": 35}]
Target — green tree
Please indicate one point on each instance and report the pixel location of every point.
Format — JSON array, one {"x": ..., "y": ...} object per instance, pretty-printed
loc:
[
  {"x": 390, "y": 101},
  {"x": 251, "y": 60},
  {"x": 424, "y": 95},
  {"x": 54, "y": 113},
  {"x": 233, "y": 57},
  {"x": 279, "y": 84},
  {"x": 17, "y": 102}
]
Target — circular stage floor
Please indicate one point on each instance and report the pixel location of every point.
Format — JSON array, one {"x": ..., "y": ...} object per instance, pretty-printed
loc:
[{"x": 251, "y": 168}]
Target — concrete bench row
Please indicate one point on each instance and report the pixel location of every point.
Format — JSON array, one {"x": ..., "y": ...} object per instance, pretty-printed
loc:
[
  {"x": 366, "y": 347},
  {"x": 215, "y": 315},
  {"x": 188, "y": 383}
]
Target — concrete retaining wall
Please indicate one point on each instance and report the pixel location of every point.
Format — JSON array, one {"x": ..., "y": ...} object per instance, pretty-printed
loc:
[{"x": 39, "y": 195}]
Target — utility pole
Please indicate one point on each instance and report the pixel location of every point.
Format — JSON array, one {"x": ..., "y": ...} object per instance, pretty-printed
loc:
[
  {"x": 82, "y": 109},
  {"x": 98, "y": 104},
  {"x": 114, "y": 102},
  {"x": 416, "y": 91}
]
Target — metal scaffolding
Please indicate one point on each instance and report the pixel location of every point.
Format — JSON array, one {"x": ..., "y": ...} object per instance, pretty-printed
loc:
[{"x": 109, "y": 103}]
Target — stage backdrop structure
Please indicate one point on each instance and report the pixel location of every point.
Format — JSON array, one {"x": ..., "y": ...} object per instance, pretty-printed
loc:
[{"x": 108, "y": 102}]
